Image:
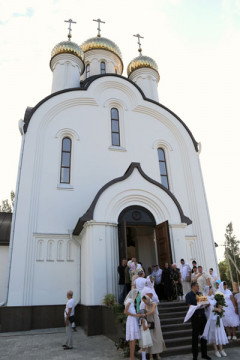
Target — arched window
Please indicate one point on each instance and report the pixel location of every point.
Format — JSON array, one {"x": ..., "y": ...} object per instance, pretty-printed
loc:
[
  {"x": 115, "y": 127},
  {"x": 66, "y": 160},
  {"x": 103, "y": 67},
  {"x": 163, "y": 168},
  {"x": 87, "y": 70}
]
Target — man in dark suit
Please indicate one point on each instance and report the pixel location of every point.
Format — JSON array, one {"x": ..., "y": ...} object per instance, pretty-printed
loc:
[{"x": 198, "y": 323}]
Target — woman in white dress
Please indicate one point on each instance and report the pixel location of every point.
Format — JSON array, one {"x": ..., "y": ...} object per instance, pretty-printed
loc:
[
  {"x": 156, "y": 332},
  {"x": 132, "y": 327},
  {"x": 230, "y": 318},
  {"x": 214, "y": 334},
  {"x": 213, "y": 278}
]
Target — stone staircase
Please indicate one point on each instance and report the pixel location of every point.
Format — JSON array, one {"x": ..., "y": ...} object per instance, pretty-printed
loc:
[{"x": 177, "y": 334}]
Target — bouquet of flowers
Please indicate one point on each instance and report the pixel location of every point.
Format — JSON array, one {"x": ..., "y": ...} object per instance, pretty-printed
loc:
[{"x": 220, "y": 303}]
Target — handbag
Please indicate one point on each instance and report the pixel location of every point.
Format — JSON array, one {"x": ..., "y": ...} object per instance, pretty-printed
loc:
[
  {"x": 71, "y": 319},
  {"x": 152, "y": 325}
]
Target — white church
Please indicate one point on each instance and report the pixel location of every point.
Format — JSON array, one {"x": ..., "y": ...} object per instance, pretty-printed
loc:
[{"x": 106, "y": 172}]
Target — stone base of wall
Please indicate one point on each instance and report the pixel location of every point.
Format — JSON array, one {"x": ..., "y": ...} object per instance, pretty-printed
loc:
[{"x": 95, "y": 320}]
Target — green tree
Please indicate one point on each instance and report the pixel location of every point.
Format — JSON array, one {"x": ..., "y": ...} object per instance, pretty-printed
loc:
[
  {"x": 224, "y": 272},
  {"x": 232, "y": 248},
  {"x": 7, "y": 206}
]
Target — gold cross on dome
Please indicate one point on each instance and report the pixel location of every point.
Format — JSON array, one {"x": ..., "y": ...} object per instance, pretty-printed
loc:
[
  {"x": 70, "y": 21},
  {"x": 139, "y": 43},
  {"x": 99, "y": 21}
]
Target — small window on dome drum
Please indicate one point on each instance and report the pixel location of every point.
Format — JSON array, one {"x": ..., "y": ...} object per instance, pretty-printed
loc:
[
  {"x": 87, "y": 70},
  {"x": 163, "y": 168},
  {"x": 115, "y": 127},
  {"x": 103, "y": 67},
  {"x": 66, "y": 161},
  {"x": 116, "y": 70}
]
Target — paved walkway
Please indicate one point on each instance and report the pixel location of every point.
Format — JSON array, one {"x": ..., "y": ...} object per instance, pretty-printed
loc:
[{"x": 46, "y": 345}]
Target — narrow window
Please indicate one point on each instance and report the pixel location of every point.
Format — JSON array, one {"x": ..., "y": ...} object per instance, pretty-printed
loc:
[
  {"x": 87, "y": 70},
  {"x": 66, "y": 161},
  {"x": 103, "y": 67},
  {"x": 116, "y": 70},
  {"x": 115, "y": 127},
  {"x": 163, "y": 168}
]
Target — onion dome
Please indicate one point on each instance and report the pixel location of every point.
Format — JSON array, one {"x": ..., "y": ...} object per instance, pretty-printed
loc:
[
  {"x": 101, "y": 43},
  {"x": 142, "y": 62},
  {"x": 68, "y": 47}
]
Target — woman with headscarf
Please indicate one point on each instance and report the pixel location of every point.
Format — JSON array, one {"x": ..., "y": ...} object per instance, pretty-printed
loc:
[
  {"x": 167, "y": 282},
  {"x": 149, "y": 289},
  {"x": 132, "y": 327},
  {"x": 213, "y": 278},
  {"x": 155, "y": 328},
  {"x": 230, "y": 318}
]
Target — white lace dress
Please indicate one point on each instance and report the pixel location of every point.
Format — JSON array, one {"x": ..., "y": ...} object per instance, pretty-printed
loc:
[
  {"x": 230, "y": 318},
  {"x": 132, "y": 327},
  {"x": 212, "y": 333}
]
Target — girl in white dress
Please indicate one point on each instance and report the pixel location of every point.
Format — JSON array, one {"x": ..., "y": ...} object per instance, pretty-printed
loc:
[
  {"x": 230, "y": 318},
  {"x": 132, "y": 327},
  {"x": 212, "y": 333},
  {"x": 146, "y": 339}
]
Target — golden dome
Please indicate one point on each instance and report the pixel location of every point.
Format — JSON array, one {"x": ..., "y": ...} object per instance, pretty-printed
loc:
[
  {"x": 101, "y": 43},
  {"x": 142, "y": 62},
  {"x": 68, "y": 47}
]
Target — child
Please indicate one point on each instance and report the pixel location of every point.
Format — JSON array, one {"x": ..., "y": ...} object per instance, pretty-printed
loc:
[
  {"x": 212, "y": 333},
  {"x": 146, "y": 339},
  {"x": 132, "y": 327}
]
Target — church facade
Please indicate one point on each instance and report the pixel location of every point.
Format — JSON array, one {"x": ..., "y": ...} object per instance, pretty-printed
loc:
[{"x": 106, "y": 172}]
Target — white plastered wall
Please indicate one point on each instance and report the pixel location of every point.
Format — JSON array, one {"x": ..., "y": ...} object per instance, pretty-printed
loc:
[{"x": 47, "y": 207}]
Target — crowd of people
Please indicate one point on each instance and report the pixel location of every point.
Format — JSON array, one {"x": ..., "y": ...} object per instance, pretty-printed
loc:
[
  {"x": 170, "y": 283},
  {"x": 142, "y": 295}
]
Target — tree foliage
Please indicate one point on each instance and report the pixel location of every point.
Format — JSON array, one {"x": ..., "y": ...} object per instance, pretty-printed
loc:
[
  {"x": 232, "y": 248},
  {"x": 7, "y": 205}
]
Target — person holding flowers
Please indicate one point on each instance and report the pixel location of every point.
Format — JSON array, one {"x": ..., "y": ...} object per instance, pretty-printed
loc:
[
  {"x": 230, "y": 318},
  {"x": 214, "y": 331}
]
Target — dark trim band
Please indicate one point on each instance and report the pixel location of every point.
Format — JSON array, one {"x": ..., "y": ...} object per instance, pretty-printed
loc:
[{"x": 89, "y": 213}]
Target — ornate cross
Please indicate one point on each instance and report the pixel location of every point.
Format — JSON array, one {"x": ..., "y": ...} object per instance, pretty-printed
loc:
[
  {"x": 70, "y": 21},
  {"x": 139, "y": 44},
  {"x": 99, "y": 21}
]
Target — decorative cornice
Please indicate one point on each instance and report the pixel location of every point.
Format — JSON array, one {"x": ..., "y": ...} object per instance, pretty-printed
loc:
[
  {"x": 85, "y": 85},
  {"x": 89, "y": 213}
]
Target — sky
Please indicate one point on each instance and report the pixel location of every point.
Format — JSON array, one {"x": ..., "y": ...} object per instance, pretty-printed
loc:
[{"x": 196, "y": 46}]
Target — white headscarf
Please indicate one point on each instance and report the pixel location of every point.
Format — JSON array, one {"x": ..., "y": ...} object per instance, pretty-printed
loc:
[
  {"x": 225, "y": 292},
  {"x": 131, "y": 296},
  {"x": 149, "y": 289}
]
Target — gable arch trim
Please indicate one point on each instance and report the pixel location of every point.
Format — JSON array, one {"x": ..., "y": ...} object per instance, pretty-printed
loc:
[
  {"x": 89, "y": 214},
  {"x": 85, "y": 85}
]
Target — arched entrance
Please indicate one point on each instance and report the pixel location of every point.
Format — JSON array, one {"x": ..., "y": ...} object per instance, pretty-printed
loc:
[{"x": 139, "y": 236}]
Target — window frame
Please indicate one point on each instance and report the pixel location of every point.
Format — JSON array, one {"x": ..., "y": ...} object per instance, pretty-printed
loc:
[
  {"x": 102, "y": 70},
  {"x": 115, "y": 132},
  {"x": 70, "y": 159},
  {"x": 165, "y": 176},
  {"x": 87, "y": 71}
]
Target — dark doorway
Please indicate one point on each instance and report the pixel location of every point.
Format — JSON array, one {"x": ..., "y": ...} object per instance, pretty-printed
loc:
[{"x": 140, "y": 237}]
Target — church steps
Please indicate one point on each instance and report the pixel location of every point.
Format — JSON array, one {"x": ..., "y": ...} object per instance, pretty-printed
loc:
[
  {"x": 181, "y": 326},
  {"x": 172, "y": 320},
  {"x": 175, "y": 314},
  {"x": 178, "y": 335}
]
